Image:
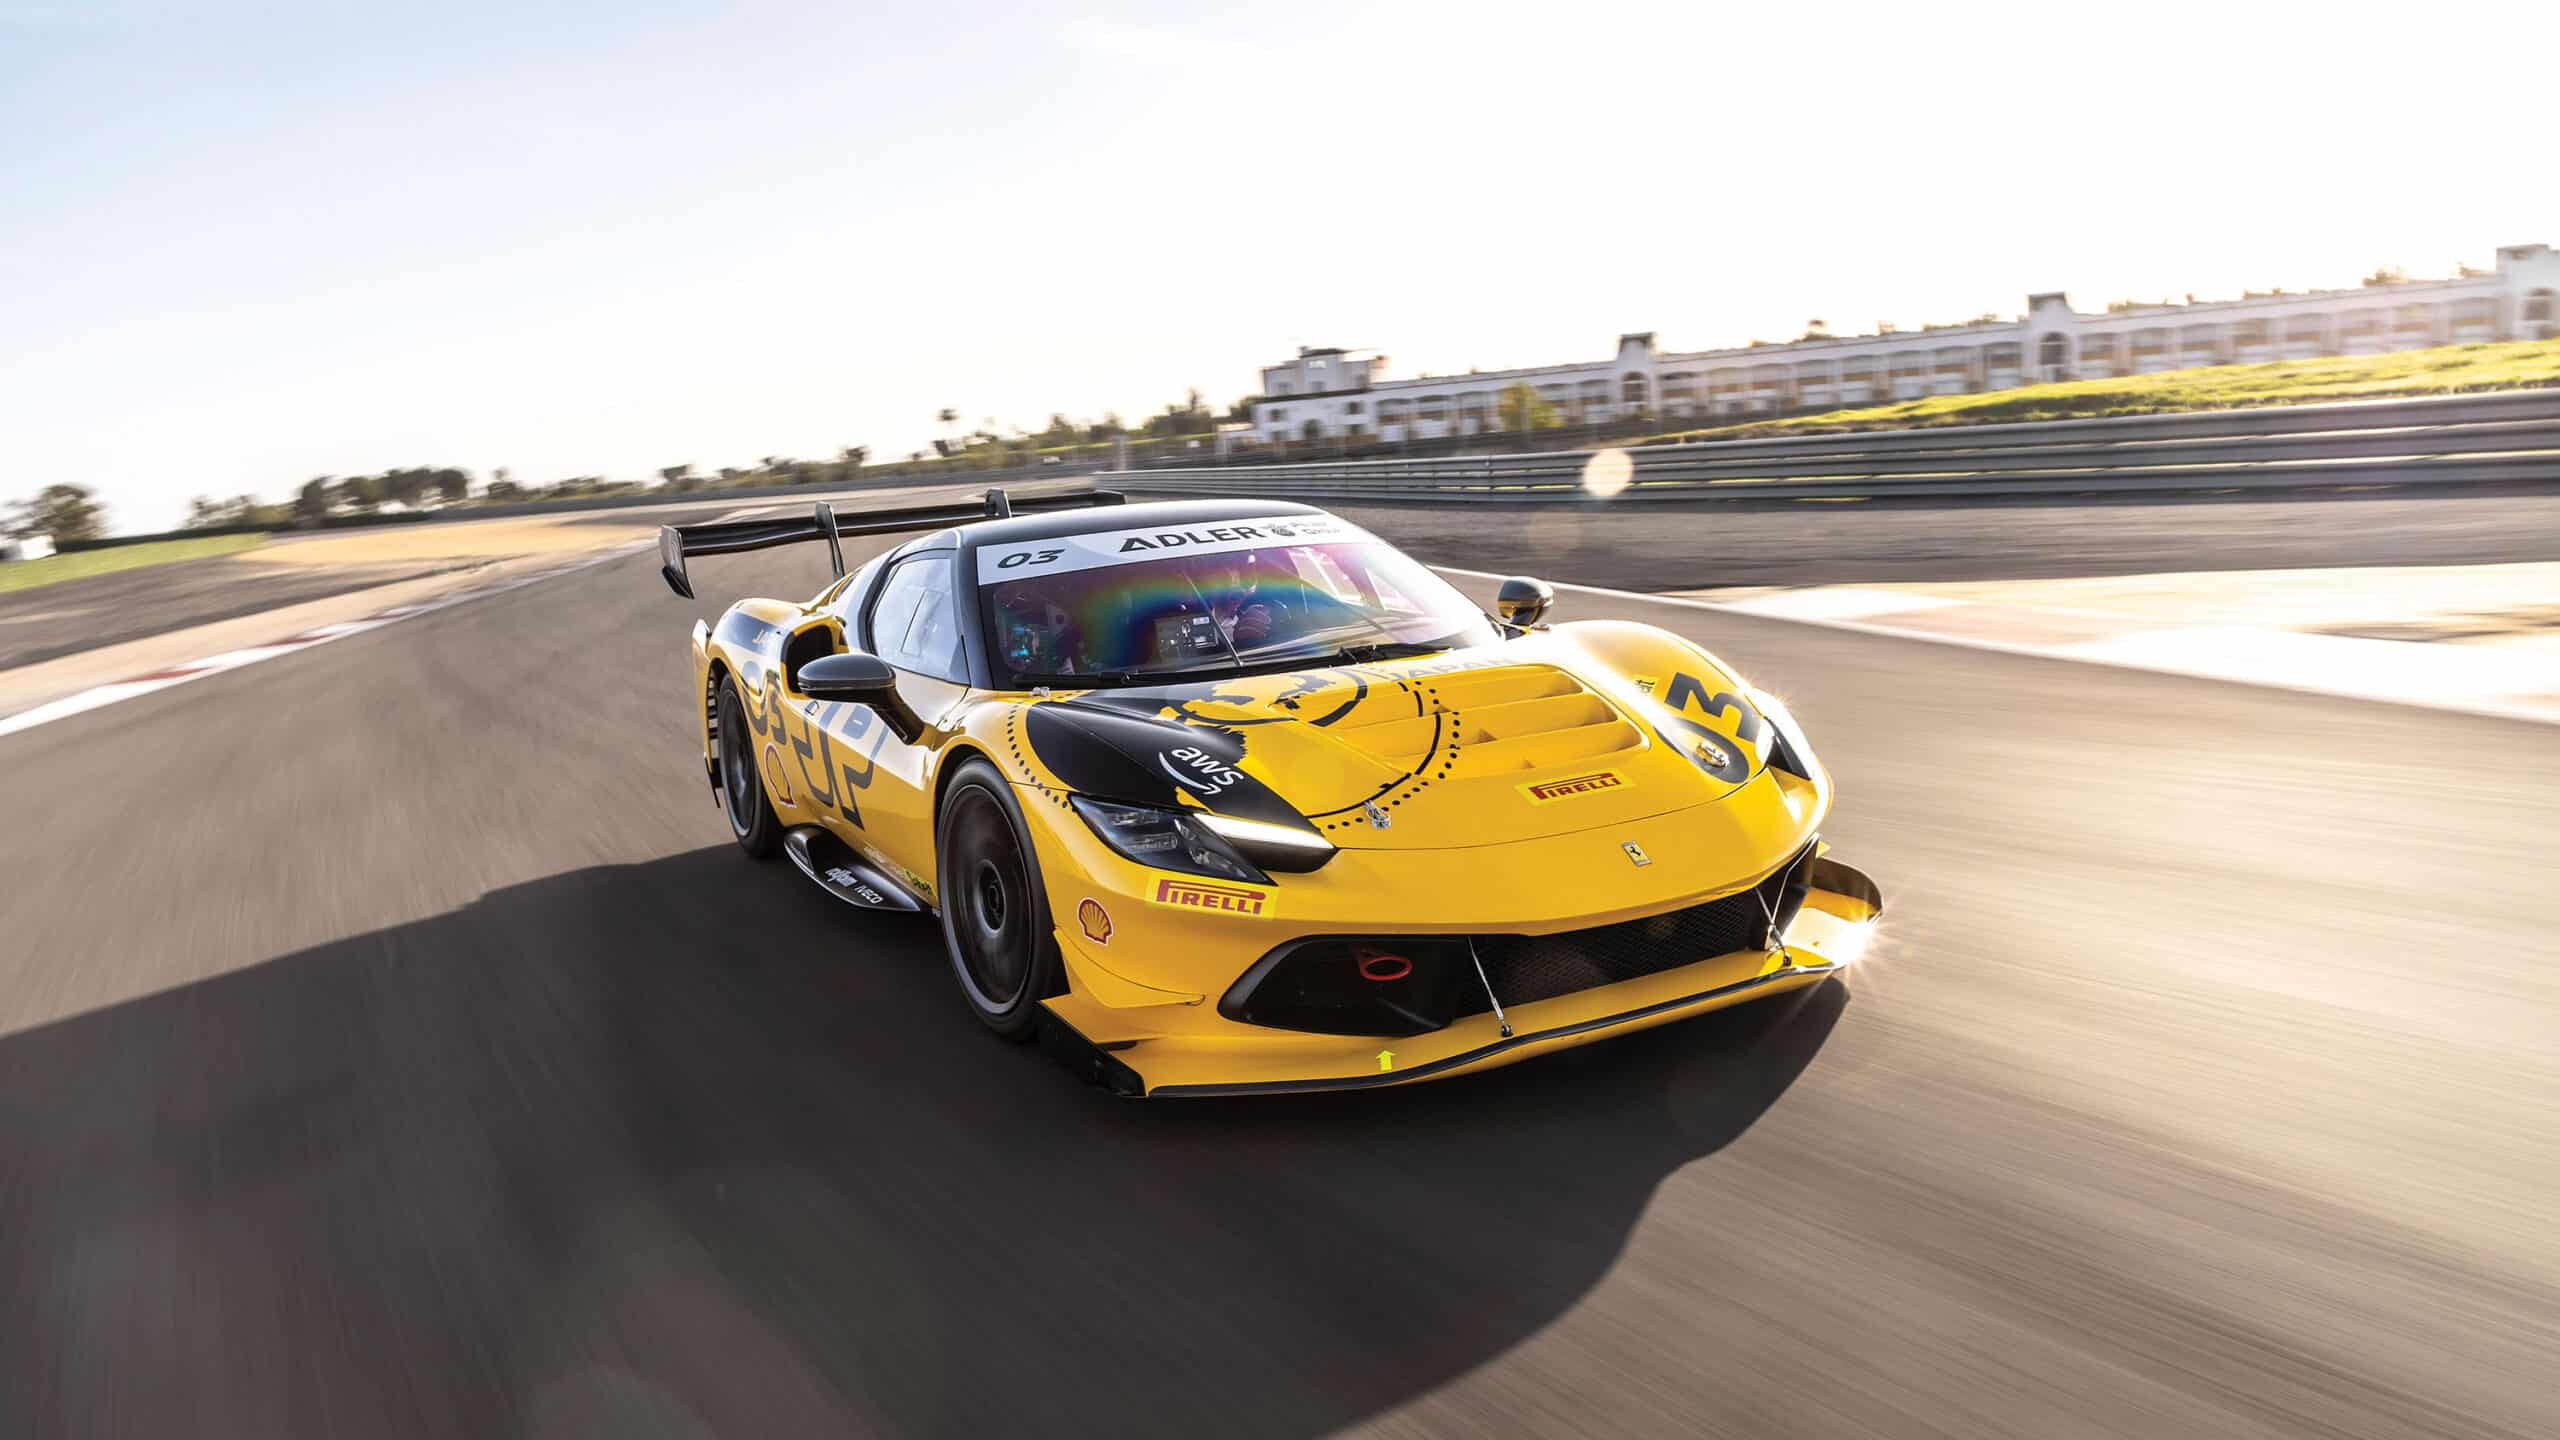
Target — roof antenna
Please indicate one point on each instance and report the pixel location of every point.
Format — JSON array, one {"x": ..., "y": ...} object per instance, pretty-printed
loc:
[{"x": 999, "y": 504}]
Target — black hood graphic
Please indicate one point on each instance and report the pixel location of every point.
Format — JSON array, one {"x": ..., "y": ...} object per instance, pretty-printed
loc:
[{"x": 1114, "y": 755}]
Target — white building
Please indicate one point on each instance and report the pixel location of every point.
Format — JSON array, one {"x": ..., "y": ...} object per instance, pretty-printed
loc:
[{"x": 1327, "y": 394}]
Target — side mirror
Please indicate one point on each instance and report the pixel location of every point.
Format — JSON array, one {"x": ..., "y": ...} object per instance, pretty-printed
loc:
[
  {"x": 855, "y": 678},
  {"x": 1523, "y": 600}
]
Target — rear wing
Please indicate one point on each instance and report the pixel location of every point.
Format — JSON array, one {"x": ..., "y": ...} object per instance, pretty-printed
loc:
[{"x": 679, "y": 543}]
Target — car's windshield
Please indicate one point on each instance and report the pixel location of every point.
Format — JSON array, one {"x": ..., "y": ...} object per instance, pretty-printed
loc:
[{"x": 1197, "y": 613}]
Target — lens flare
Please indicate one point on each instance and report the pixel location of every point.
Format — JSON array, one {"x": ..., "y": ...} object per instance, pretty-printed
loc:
[
  {"x": 1845, "y": 948},
  {"x": 1607, "y": 473}
]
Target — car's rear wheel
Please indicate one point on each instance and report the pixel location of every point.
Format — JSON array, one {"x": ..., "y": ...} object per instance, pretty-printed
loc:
[
  {"x": 742, "y": 798},
  {"x": 995, "y": 918}
]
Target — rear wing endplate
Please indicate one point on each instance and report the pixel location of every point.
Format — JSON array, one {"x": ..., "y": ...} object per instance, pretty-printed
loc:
[{"x": 679, "y": 543}]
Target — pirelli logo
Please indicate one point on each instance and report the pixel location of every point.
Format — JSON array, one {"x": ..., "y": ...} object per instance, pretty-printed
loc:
[
  {"x": 1542, "y": 791},
  {"x": 1199, "y": 895}
]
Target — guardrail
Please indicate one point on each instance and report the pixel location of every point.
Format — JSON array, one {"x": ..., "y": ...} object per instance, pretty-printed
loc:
[{"x": 2504, "y": 438}]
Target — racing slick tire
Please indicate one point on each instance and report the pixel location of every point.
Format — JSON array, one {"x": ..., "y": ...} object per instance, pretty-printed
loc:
[
  {"x": 995, "y": 916},
  {"x": 752, "y": 822}
]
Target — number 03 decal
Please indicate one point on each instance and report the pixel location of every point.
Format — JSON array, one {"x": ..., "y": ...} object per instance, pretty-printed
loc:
[
  {"x": 1724, "y": 761},
  {"x": 1028, "y": 557}
]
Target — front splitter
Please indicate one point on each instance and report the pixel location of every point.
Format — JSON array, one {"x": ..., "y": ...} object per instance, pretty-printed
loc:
[{"x": 1104, "y": 1068}]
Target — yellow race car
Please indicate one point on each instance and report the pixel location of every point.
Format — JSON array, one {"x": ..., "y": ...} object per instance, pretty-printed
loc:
[{"x": 1232, "y": 797}]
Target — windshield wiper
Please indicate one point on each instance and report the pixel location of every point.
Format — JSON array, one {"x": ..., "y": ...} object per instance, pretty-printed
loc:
[
  {"x": 1387, "y": 650},
  {"x": 1123, "y": 677}
]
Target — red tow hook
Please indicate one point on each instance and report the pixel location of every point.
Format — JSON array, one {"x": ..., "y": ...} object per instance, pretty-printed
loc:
[{"x": 1381, "y": 965}]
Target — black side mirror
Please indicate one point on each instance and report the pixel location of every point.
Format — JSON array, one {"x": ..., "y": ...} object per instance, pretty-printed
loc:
[
  {"x": 855, "y": 678},
  {"x": 1522, "y": 600}
]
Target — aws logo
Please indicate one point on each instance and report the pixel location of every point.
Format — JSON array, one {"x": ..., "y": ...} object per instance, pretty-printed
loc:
[
  {"x": 1199, "y": 770},
  {"x": 1195, "y": 895},
  {"x": 1545, "y": 792}
]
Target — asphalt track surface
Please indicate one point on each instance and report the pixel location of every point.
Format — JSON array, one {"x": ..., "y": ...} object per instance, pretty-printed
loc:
[
  {"x": 392, "y": 1043},
  {"x": 71, "y": 616}
]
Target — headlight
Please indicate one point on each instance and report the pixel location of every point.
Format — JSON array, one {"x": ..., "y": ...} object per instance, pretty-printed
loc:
[
  {"x": 1790, "y": 751},
  {"x": 1199, "y": 843}
]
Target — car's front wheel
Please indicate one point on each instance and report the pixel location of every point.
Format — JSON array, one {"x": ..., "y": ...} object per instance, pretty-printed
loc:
[{"x": 995, "y": 919}]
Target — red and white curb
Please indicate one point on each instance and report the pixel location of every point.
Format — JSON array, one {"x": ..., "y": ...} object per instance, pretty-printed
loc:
[
  {"x": 151, "y": 682},
  {"x": 2506, "y": 682}
]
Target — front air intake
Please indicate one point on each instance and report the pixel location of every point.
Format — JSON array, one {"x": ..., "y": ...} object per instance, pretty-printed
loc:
[{"x": 1345, "y": 985}]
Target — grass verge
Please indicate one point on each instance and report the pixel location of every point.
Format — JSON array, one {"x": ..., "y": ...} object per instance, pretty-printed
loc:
[
  {"x": 53, "y": 569},
  {"x": 2444, "y": 371}
]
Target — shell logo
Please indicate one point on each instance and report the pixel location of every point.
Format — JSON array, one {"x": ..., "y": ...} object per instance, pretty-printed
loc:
[{"x": 1094, "y": 921}]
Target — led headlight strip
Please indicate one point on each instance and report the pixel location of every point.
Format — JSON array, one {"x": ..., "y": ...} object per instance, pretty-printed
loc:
[{"x": 1223, "y": 847}]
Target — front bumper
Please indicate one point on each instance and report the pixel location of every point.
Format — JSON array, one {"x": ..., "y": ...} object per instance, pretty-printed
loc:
[{"x": 1131, "y": 1052}]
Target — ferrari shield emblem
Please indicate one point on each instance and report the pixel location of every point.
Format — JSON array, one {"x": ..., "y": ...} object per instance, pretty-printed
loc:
[{"x": 1635, "y": 852}]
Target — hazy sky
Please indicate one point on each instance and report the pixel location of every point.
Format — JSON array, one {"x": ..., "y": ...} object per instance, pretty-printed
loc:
[{"x": 242, "y": 245}]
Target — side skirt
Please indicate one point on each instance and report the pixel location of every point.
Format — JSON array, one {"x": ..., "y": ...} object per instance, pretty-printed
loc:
[{"x": 832, "y": 866}]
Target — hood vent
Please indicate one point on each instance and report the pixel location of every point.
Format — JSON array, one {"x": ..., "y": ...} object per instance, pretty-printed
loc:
[{"x": 1493, "y": 722}]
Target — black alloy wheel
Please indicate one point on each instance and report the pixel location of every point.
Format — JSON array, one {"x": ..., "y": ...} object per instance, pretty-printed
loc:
[
  {"x": 742, "y": 798},
  {"x": 995, "y": 921}
]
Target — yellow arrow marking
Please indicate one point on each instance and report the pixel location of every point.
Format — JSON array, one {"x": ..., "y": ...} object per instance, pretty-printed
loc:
[{"x": 1386, "y": 1060}]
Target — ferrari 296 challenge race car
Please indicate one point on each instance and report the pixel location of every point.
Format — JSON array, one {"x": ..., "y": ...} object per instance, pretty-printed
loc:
[{"x": 1227, "y": 797}]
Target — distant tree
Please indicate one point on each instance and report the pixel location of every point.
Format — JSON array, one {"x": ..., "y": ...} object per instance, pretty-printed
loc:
[
  {"x": 1241, "y": 412},
  {"x": 854, "y": 457},
  {"x": 407, "y": 486},
  {"x": 1187, "y": 416},
  {"x": 453, "y": 485},
  {"x": 731, "y": 474},
  {"x": 358, "y": 492},
  {"x": 2388, "y": 275},
  {"x": 1106, "y": 428},
  {"x": 1523, "y": 408},
  {"x": 946, "y": 416},
  {"x": 1817, "y": 328},
  {"x": 65, "y": 512},
  {"x": 204, "y": 512},
  {"x": 311, "y": 503},
  {"x": 678, "y": 477}
]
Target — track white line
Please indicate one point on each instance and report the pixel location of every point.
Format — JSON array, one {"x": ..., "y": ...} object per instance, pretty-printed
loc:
[
  {"x": 154, "y": 681},
  {"x": 2160, "y": 649}
]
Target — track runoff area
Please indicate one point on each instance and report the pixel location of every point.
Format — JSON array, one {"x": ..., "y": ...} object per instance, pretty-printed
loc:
[{"x": 437, "y": 1039}]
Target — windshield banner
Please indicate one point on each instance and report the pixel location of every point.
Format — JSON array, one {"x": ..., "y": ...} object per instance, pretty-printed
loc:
[{"x": 1127, "y": 547}]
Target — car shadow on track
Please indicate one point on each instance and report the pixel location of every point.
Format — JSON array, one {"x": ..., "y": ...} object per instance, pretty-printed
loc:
[{"x": 681, "y": 1147}]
